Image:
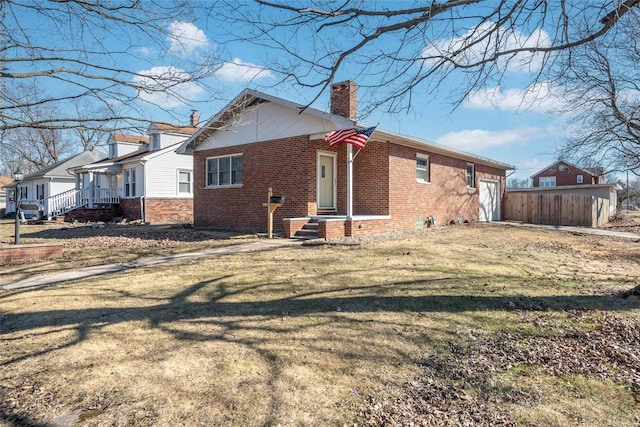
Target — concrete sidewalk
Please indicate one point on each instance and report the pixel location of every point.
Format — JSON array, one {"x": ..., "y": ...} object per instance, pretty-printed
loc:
[
  {"x": 261, "y": 245},
  {"x": 51, "y": 279},
  {"x": 575, "y": 230}
]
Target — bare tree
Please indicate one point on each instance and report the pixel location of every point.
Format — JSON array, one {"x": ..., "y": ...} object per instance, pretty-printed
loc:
[
  {"x": 61, "y": 45},
  {"x": 407, "y": 52},
  {"x": 32, "y": 148},
  {"x": 519, "y": 183},
  {"x": 602, "y": 93}
]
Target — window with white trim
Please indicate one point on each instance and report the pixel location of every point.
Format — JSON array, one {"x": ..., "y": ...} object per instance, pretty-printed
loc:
[
  {"x": 113, "y": 153},
  {"x": 130, "y": 183},
  {"x": 423, "y": 173},
  {"x": 184, "y": 181},
  {"x": 547, "y": 181},
  {"x": 471, "y": 175},
  {"x": 224, "y": 171},
  {"x": 40, "y": 191},
  {"x": 579, "y": 179}
]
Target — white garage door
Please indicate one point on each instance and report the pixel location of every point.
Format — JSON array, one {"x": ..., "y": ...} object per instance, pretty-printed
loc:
[{"x": 489, "y": 201}]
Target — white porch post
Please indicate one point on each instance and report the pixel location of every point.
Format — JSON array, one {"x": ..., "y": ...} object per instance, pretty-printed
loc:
[
  {"x": 349, "y": 181},
  {"x": 90, "y": 190}
]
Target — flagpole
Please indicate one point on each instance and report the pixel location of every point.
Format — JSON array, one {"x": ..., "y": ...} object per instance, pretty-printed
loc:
[{"x": 349, "y": 181}]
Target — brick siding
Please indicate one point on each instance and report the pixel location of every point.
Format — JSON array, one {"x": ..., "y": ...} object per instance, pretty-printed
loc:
[
  {"x": 286, "y": 165},
  {"x": 24, "y": 253},
  {"x": 131, "y": 208},
  {"x": 168, "y": 211},
  {"x": 384, "y": 184},
  {"x": 568, "y": 176}
]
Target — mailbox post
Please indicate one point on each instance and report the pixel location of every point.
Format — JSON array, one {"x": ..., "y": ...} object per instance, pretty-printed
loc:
[{"x": 273, "y": 203}]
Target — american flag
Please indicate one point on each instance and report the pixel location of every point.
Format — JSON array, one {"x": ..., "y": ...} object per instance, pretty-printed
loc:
[{"x": 356, "y": 136}]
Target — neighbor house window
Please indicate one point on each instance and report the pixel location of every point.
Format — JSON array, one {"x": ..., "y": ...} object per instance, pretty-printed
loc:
[
  {"x": 471, "y": 175},
  {"x": 184, "y": 182},
  {"x": 422, "y": 168},
  {"x": 130, "y": 183},
  {"x": 154, "y": 142},
  {"x": 112, "y": 151},
  {"x": 224, "y": 171},
  {"x": 40, "y": 191},
  {"x": 547, "y": 181},
  {"x": 579, "y": 179}
]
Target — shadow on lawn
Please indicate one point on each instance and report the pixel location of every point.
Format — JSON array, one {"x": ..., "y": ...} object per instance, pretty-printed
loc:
[
  {"x": 231, "y": 317},
  {"x": 180, "y": 308}
]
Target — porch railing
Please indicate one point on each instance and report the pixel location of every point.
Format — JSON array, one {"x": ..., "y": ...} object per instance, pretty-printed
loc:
[
  {"x": 65, "y": 202},
  {"x": 101, "y": 195},
  {"x": 73, "y": 199}
]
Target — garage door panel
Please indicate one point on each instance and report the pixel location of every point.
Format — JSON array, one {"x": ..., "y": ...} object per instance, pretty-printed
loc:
[{"x": 489, "y": 201}]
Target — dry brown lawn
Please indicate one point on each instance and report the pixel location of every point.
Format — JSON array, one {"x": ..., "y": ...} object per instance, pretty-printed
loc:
[{"x": 483, "y": 325}]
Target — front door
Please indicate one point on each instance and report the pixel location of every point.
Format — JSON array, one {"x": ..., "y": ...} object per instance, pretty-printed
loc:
[{"x": 326, "y": 181}]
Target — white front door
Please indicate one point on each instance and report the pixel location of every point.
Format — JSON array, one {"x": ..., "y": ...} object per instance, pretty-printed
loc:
[
  {"x": 489, "y": 200},
  {"x": 326, "y": 181}
]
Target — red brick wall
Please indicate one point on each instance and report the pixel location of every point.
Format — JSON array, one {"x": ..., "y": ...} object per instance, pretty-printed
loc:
[
  {"x": 287, "y": 165},
  {"x": 568, "y": 176},
  {"x": 25, "y": 253},
  {"x": 446, "y": 195},
  {"x": 95, "y": 214},
  {"x": 168, "y": 211},
  {"x": 131, "y": 208},
  {"x": 371, "y": 180}
]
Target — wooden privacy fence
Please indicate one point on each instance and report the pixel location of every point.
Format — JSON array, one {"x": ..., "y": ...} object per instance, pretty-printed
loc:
[{"x": 556, "y": 209}]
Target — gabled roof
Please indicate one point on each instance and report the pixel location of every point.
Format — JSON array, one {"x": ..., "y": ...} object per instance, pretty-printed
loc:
[
  {"x": 138, "y": 155},
  {"x": 59, "y": 169},
  {"x": 130, "y": 139},
  {"x": 588, "y": 171},
  {"x": 250, "y": 97},
  {"x": 169, "y": 128},
  {"x": 246, "y": 99}
]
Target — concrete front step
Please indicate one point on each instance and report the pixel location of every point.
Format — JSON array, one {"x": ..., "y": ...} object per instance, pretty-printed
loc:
[{"x": 308, "y": 231}]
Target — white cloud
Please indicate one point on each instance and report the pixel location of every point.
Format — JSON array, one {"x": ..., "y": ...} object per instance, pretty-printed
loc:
[
  {"x": 185, "y": 38},
  {"x": 166, "y": 87},
  {"x": 238, "y": 71},
  {"x": 484, "y": 41},
  {"x": 541, "y": 97},
  {"x": 476, "y": 140}
]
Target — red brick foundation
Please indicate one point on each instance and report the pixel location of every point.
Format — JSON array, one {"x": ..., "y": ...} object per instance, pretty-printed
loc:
[
  {"x": 24, "y": 253},
  {"x": 169, "y": 211}
]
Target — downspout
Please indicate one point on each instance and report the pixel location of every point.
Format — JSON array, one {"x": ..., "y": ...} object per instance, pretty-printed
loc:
[{"x": 144, "y": 190}]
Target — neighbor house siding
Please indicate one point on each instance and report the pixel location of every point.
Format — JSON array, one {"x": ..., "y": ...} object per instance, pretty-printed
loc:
[
  {"x": 286, "y": 165},
  {"x": 162, "y": 174},
  {"x": 568, "y": 176}
]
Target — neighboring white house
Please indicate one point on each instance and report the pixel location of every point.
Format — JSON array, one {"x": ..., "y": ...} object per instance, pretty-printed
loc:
[
  {"x": 143, "y": 175},
  {"x": 4, "y": 181},
  {"x": 40, "y": 190}
]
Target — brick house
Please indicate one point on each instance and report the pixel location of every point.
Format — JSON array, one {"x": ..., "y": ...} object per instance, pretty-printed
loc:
[
  {"x": 562, "y": 173},
  {"x": 259, "y": 141}
]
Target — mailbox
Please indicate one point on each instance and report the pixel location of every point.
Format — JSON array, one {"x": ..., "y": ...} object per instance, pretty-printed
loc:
[{"x": 276, "y": 199}]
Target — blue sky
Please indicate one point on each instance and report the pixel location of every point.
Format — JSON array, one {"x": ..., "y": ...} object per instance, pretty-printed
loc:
[
  {"x": 511, "y": 123},
  {"x": 503, "y": 122}
]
